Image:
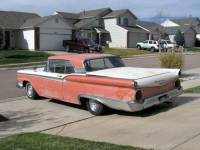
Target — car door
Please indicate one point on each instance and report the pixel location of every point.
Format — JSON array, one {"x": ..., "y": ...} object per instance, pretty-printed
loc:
[
  {"x": 53, "y": 84},
  {"x": 150, "y": 44},
  {"x": 145, "y": 43}
]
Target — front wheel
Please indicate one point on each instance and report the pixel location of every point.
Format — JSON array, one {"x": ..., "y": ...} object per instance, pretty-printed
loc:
[
  {"x": 153, "y": 49},
  {"x": 96, "y": 108},
  {"x": 30, "y": 92}
]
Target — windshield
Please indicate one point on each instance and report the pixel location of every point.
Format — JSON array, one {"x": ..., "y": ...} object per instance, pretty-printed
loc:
[
  {"x": 169, "y": 42},
  {"x": 103, "y": 63},
  {"x": 88, "y": 41}
]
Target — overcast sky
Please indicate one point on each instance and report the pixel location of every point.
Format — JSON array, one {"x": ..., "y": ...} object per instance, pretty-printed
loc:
[{"x": 141, "y": 8}]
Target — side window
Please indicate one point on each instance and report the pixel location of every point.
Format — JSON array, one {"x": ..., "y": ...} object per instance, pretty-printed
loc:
[
  {"x": 145, "y": 42},
  {"x": 60, "y": 66},
  {"x": 95, "y": 64},
  {"x": 150, "y": 42}
]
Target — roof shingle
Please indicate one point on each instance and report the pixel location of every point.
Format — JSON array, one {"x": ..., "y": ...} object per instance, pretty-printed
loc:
[{"x": 14, "y": 20}]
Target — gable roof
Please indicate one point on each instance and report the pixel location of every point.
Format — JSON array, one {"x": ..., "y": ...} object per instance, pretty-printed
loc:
[
  {"x": 67, "y": 15},
  {"x": 173, "y": 30},
  {"x": 187, "y": 21},
  {"x": 84, "y": 22},
  {"x": 118, "y": 13},
  {"x": 35, "y": 22},
  {"x": 14, "y": 20},
  {"x": 94, "y": 13},
  {"x": 151, "y": 26},
  {"x": 134, "y": 29}
]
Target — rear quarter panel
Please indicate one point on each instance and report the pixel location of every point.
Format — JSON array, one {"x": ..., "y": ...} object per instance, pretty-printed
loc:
[{"x": 115, "y": 89}]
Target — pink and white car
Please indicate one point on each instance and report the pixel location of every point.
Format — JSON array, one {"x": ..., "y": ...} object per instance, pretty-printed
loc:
[{"x": 100, "y": 81}]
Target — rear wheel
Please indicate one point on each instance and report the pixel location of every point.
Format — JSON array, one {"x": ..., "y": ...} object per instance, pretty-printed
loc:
[
  {"x": 30, "y": 92},
  {"x": 95, "y": 107},
  {"x": 139, "y": 47}
]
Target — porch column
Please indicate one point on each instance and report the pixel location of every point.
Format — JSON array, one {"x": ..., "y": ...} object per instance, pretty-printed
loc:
[{"x": 99, "y": 38}]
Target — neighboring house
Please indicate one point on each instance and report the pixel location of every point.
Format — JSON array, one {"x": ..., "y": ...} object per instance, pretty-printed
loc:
[
  {"x": 113, "y": 28},
  {"x": 155, "y": 30},
  {"x": 10, "y": 33},
  {"x": 180, "y": 23},
  {"x": 124, "y": 33},
  {"x": 45, "y": 33},
  {"x": 188, "y": 31},
  {"x": 89, "y": 24}
]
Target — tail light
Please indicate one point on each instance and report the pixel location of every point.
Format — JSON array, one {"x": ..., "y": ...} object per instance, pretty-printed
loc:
[
  {"x": 177, "y": 84},
  {"x": 138, "y": 96}
]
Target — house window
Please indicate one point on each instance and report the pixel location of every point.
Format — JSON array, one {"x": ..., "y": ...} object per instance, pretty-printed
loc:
[{"x": 125, "y": 21}]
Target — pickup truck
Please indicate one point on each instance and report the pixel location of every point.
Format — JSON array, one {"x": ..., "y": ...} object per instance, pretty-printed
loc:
[
  {"x": 100, "y": 81},
  {"x": 81, "y": 45}
]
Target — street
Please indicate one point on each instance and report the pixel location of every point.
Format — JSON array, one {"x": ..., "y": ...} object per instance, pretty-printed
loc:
[
  {"x": 8, "y": 77},
  {"x": 161, "y": 127}
]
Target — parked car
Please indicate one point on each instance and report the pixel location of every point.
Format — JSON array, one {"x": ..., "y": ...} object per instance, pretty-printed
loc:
[
  {"x": 100, "y": 81},
  {"x": 167, "y": 44},
  {"x": 148, "y": 44},
  {"x": 81, "y": 45}
]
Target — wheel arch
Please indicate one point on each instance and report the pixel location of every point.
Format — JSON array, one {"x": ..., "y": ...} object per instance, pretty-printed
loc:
[{"x": 83, "y": 98}]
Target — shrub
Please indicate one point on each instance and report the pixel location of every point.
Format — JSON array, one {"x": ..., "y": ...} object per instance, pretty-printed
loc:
[
  {"x": 172, "y": 60},
  {"x": 179, "y": 38}
]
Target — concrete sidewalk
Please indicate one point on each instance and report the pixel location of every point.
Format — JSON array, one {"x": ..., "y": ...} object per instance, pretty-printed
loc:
[{"x": 161, "y": 127}]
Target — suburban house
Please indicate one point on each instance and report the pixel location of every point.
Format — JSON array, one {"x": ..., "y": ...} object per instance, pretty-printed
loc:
[
  {"x": 189, "y": 26},
  {"x": 188, "y": 32},
  {"x": 11, "y": 36},
  {"x": 124, "y": 33},
  {"x": 113, "y": 28},
  {"x": 46, "y": 33},
  {"x": 88, "y": 24},
  {"x": 155, "y": 30}
]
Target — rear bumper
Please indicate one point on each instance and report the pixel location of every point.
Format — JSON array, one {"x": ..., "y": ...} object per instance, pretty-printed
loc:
[
  {"x": 152, "y": 101},
  {"x": 132, "y": 106}
]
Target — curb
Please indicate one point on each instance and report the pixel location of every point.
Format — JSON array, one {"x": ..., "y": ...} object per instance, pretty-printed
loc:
[{"x": 21, "y": 65}]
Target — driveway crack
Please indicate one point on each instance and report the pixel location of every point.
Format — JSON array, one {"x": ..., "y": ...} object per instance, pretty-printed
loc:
[{"x": 185, "y": 141}]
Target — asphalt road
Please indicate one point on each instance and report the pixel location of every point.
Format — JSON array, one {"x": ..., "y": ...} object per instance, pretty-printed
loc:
[{"x": 8, "y": 77}]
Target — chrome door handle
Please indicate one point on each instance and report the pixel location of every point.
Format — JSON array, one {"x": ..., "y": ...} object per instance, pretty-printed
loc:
[{"x": 59, "y": 75}]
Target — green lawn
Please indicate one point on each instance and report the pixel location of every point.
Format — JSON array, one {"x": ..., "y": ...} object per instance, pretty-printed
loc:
[
  {"x": 194, "y": 49},
  {"x": 125, "y": 52},
  {"x": 193, "y": 90},
  {"x": 21, "y": 56},
  {"x": 38, "y": 141}
]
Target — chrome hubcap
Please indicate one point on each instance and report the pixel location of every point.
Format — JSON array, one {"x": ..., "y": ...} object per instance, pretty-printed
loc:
[
  {"x": 93, "y": 105},
  {"x": 30, "y": 91}
]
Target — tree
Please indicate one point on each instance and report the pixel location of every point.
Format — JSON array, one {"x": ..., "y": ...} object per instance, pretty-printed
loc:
[{"x": 179, "y": 38}]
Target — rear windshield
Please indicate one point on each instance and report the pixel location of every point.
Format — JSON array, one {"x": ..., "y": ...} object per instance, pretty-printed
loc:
[{"x": 103, "y": 63}]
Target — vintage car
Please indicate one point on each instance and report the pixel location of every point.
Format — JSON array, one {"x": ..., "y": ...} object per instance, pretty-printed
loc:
[{"x": 100, "y": 81}]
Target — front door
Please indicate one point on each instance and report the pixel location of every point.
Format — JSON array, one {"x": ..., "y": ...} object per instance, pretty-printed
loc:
[
  {"x": 7, "y": 39},
  {"x": 57, "y": 70}
]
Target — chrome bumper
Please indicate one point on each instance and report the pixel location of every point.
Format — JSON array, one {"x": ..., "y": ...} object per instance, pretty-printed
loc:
[
  {"x": 152, "y": 101},
  {"x": 132, "y": 106}
]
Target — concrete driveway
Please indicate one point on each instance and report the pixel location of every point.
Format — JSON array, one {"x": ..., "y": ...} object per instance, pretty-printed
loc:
[{"x": 161, "y": 127}]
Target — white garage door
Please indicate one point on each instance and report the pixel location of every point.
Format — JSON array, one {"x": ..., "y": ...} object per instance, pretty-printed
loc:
[
  {"x": 135, "y": 37},
  {"x": 53, "y": 40}
]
